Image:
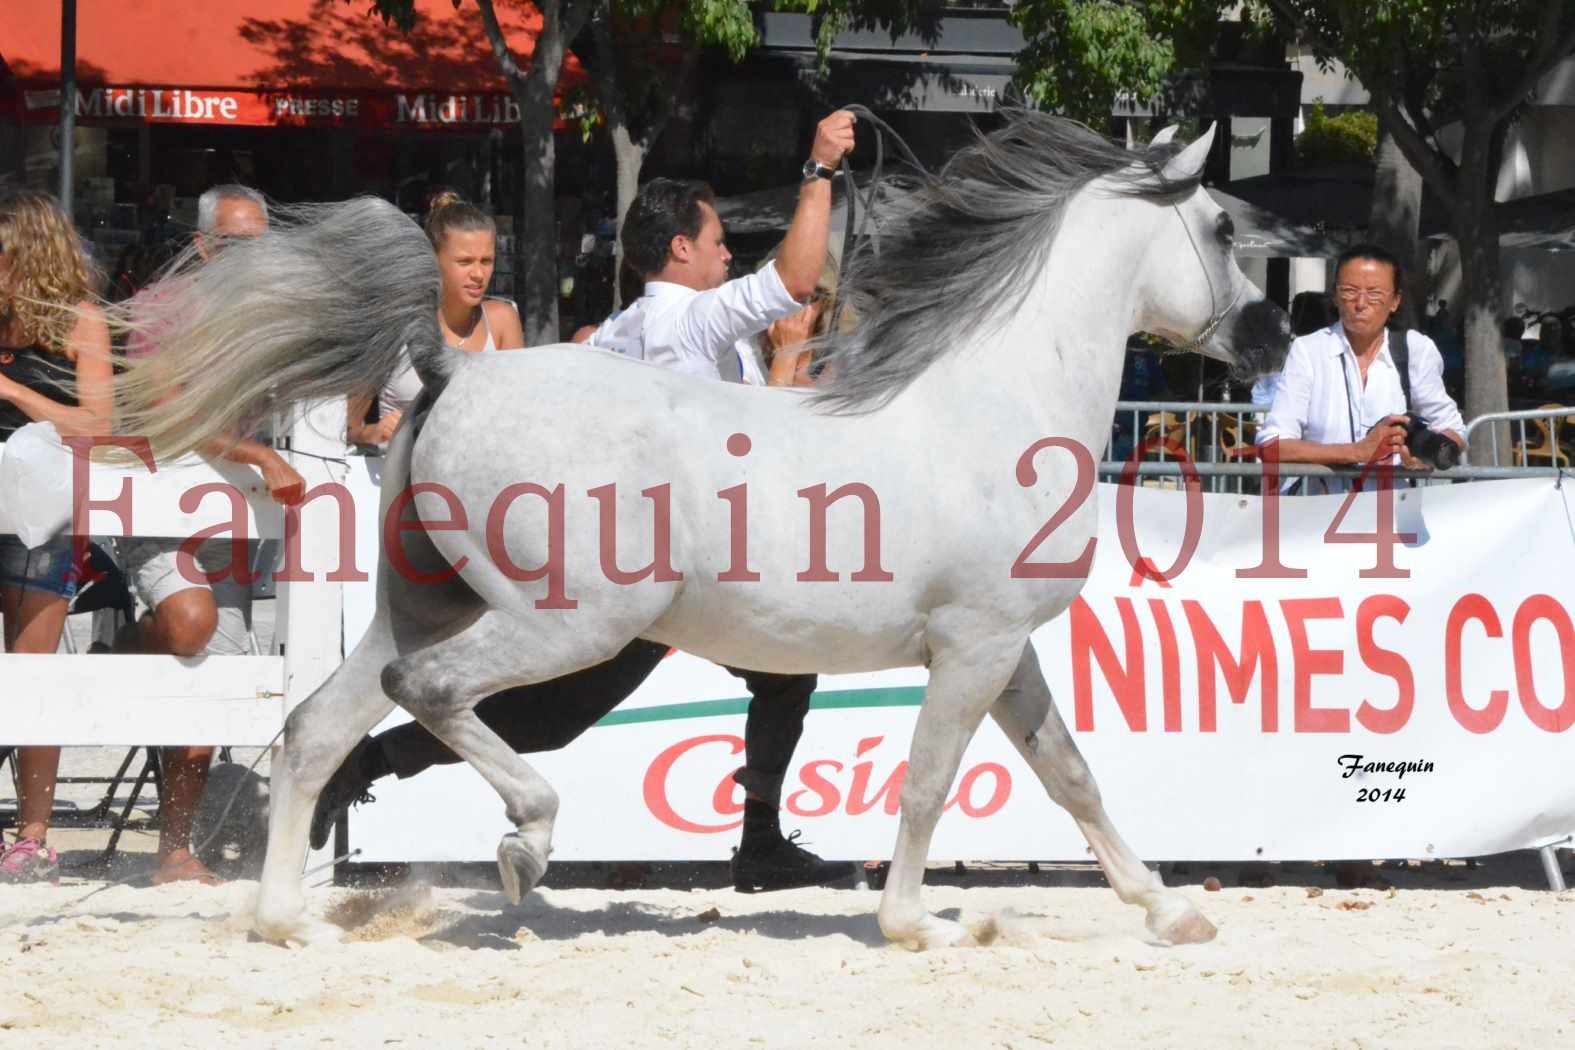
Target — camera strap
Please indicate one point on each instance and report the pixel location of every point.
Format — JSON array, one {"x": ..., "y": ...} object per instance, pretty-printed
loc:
[{"x": 1400, "y": 351}]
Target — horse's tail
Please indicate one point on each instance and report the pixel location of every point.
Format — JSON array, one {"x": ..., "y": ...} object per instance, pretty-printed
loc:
[{"x": 326, "y": 304}]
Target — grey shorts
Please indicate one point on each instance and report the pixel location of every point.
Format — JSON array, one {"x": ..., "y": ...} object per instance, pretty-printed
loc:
[{"x": 153, "y": 569}]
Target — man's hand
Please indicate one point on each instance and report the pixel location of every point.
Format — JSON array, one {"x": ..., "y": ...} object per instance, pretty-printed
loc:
[
  {"x": 285, "y": 485},
  {"x": 833, "y": 138},
  {"x": 1386, "y": 438}
]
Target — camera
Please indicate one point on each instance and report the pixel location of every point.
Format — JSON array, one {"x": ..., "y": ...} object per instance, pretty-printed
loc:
[{"x": 1430, "y": 446}]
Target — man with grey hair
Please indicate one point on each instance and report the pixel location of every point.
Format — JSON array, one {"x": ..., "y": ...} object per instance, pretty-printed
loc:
[
  {"x": 205, "y": 609},
  {"x": 230, "y": 210}
]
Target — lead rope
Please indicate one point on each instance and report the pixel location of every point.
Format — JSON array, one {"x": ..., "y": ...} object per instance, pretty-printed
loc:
[{"x": 853, "y": 230}]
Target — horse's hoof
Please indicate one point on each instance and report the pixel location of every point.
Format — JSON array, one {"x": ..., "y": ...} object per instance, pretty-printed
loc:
[
  {"x": 1190, "y": 927},
  {"x": 300, "y": 931},
  {"x": 519, "y": 866},
  {"x": 930, "y": 932}
]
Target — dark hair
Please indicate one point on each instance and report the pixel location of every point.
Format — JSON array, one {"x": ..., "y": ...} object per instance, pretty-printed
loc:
[
  {"x": 662, "y": 210},
  {"x": 1312, "y": 312},
  {"x": 448, "y": 211},
  {"x": 1373, "y": 253}
]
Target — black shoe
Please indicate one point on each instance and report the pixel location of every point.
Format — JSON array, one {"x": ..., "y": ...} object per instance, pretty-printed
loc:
[
  {"x": 347, "y": 787},
  {"x": 781, "y": 864}
]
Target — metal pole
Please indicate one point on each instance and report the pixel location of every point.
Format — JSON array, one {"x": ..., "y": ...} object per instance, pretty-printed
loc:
[
  {"x": 1550, "y": 868},
  {"x": 68, "y": 99}
]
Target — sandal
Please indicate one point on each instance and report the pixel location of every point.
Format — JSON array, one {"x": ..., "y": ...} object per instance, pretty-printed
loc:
[{"x": 28, "y": 860}]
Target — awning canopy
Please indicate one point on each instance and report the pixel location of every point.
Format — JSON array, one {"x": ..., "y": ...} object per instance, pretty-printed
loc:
[
  {"x": 1545, "y": 222},
  {"x": 289, "y": 62},
  {"x": 1265, "y": 234}
]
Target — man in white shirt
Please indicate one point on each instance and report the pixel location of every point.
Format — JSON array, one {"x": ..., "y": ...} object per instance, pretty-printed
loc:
[
  {"x": 1339, "y": 400},
  {"x": 692, "y": 319}
]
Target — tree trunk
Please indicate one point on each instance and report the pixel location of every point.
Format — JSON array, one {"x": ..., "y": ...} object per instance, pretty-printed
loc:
[
  {"x": 1395, "y": 221},
  {"x": 1476, "y": 233},
  {"x": 1487, "y": 387},
  {"x": 629, "y": 156},
  {"x": 536, "y": 241}
]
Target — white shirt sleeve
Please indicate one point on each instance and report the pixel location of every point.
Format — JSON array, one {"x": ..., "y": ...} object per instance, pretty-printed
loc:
[
  {"x": 1263, "y": 388},
  {"x": 1292, "y": 395},
  {"x": 1429, "y": 399},
  {"x": 714, "y": 320}
]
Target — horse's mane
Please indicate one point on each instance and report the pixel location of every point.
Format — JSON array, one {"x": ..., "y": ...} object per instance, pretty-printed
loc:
[{"x": 963, "y": 246}]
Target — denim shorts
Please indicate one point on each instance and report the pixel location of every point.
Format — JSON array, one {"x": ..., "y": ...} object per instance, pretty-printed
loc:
[{"x": 47, "y": 568}]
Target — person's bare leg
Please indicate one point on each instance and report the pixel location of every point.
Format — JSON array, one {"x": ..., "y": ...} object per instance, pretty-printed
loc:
[
  {"x": 185, "y": 776},
  {"x": 37, "y": 769},
  {"x": 33, "y": 622},
  {"x": 180, "y": 626}
]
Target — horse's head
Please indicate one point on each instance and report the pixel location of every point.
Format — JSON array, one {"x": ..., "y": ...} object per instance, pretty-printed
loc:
[{"x": 1191, "y": 290}]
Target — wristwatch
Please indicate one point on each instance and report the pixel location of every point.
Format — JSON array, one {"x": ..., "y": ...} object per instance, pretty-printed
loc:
[{"x": 813, "y": 169}]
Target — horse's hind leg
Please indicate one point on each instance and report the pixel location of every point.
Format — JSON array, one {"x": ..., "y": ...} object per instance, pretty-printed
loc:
[
  {"x": 961, "y": 688},
  {"x": 318, "y": 735},
  {"x": 1028, "y": 716},
  {"x": 442, "y": 683}
]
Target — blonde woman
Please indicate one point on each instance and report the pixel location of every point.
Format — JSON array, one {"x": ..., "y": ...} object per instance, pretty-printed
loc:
[
  {"x": 51, "y": 333},
  {"x": 464, "y": 239}
]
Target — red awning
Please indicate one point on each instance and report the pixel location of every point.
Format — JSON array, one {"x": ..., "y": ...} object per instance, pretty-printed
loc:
[{"x": 292, "y": 62}]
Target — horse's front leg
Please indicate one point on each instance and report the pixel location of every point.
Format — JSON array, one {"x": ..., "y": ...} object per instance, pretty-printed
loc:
[
  {"x": 318, "y": 736},
  {"x": 1028, "y": 716},
  {"x": 963, "y": 684}
]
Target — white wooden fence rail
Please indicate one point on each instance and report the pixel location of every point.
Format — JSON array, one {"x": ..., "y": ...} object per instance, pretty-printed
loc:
[{"x": 235, "y": 700}]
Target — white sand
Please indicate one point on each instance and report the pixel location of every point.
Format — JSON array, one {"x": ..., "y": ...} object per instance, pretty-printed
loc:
[{"x": 175, "y": 967}]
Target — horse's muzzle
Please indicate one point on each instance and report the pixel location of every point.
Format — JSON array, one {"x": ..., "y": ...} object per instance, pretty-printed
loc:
[{"x": 1259, "y": 337}]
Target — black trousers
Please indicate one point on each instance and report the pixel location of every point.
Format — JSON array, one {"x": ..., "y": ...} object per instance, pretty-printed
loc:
[{"x": 547, "y": 715}]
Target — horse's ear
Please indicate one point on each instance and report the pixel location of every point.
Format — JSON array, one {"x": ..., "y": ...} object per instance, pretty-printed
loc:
[
  {"x": 1188, "y": 164},
  {"x": 1164, "y": 136}
]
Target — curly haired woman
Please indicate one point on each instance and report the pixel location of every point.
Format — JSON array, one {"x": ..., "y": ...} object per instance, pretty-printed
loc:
[{"x": 55, "y": 367}]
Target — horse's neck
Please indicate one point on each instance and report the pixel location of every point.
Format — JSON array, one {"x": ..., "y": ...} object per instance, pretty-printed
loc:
[{"x": 1063, "y": 350}]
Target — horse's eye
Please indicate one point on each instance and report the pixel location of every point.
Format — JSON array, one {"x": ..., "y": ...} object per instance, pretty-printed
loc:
[{"x": 1225, "y": 229}]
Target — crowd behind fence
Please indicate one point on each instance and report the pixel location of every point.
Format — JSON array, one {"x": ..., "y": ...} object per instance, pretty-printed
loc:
[{"x": 1214, "y": 442}]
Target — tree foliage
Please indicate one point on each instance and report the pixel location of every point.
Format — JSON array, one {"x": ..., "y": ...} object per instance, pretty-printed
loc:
[
  {"x": 1081, "y": 56},
  {"x": 1345, "y": 138}
]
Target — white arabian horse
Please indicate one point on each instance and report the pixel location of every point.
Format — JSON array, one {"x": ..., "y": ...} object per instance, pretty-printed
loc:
[{"x": 996, "y": 316}]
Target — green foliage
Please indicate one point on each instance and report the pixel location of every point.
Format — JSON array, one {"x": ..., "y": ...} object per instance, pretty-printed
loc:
[
  {"x": 1346, "y": 138},
  {"x": 1081, "y": 55}
]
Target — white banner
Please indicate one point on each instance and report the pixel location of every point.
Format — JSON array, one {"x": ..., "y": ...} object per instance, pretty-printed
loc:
[{"x": 1340, "y": 712}]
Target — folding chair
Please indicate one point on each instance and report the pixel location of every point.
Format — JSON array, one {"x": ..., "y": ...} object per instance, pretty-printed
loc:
[{"x": 1548, "y": 445}]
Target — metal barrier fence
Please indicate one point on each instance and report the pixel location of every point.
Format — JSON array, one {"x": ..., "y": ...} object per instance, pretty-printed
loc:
[
  {"x": 1217, "y": 438},
  {"x": 1489, "y": 434}
]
